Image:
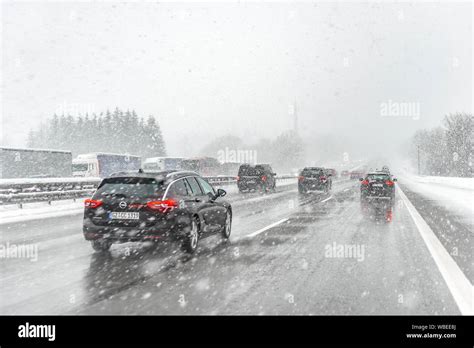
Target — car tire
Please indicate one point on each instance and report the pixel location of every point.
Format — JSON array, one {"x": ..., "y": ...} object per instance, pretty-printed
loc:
[
  {"x": 191, "y": 239},
  {"x": 227, "y": 229},
  {"x": 101, "y": 245}
]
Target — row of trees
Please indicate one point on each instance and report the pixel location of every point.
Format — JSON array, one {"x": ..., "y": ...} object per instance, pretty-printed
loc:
[
  {"x": 446, "y": 150},
  {"x": 116, "y": 132}
]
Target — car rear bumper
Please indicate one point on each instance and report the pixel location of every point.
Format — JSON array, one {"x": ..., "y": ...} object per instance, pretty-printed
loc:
[
  {"x": 378, "y": 197},
  {"x": 244, "y": 185},
  {"x": 131, "y": 234},
  {"x": 316, "y": 186}
]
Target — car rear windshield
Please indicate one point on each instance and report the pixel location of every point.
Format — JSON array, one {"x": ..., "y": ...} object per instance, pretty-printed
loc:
[
  {"x": 250, "y": 171},
  {"x": 130, "y": 188},
  {"x": 312, "y": 171},
  {"x": 378, "y": 177}
]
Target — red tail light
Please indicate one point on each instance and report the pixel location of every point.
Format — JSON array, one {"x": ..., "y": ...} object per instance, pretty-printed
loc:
[
  {"x": 238, "y": 178},
  {"x": 264, "y": 178},
  {"x": 301, "y": 178},
  {"x": 365, "y": 182},
  {"x": 389, "y": 216},
  {"x": 162, "y": 206},
  {"x": 322, "y": 178},
  {"x": 92, "y": 203},
  {"x": 389, "y": 183}
]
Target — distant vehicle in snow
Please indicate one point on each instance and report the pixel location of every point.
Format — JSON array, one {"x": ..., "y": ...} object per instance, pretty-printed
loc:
[
  {"x": 206, "y": 166},
  {"x": 356, "y": 174},
  {"x": 377, "y": 185},
  {"x": 385, "y": 169},
  {"x": 163, "y": 163},
  {"x": 34, "y": 163},
  {"x": 332, "y": 171},
  {"x": 314, "y": 179},
  {"x": 104, "y": 164},
  {"x": 256, "y": 177}
]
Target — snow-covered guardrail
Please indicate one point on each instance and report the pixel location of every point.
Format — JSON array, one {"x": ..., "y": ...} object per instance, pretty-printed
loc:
[{"x": 20, "y": 191}]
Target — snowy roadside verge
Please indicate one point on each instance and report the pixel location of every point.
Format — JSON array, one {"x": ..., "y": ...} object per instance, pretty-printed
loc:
[
  {"x": 454, "y": 194},
  {"x": 41, "y": 210},
  {"x": 459, "y": 285}
]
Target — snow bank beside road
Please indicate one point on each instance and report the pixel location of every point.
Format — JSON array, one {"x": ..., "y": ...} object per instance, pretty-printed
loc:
[
  {"x": 41, "y": 210},
  {"x": 455, "y": 194}
]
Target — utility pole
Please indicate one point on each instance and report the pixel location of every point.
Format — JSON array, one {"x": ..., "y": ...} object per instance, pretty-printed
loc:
[{"x": 418, "y": 147}]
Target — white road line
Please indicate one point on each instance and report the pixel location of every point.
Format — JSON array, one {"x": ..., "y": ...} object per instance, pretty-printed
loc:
[
  {"x": 325, "y": 200},
  {"x": 253, "y": 234},
  {"x": 460, "y": 287}
]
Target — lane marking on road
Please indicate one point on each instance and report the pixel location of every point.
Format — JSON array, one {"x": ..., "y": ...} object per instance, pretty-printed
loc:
[
  {"x": 253, "y": 234},
  {"x": 325, "y": 200},
  {"x": 460, "y": 287}
]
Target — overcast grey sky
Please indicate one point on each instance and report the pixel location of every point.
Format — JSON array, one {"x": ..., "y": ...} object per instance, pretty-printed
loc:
[{"x": 205, "y": 69}]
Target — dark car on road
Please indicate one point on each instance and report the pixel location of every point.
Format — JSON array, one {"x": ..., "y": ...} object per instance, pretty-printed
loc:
[
  {"x": 314, "y": 179},
  {"x": 256, "y": 177},
  {"x": 177, "y": 206},
  {"x": 377, "y": 186}
]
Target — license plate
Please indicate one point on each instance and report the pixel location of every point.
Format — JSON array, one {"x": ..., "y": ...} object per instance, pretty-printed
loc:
[
  {"x": 250, "y": 181},
  {"x": 123, "y": 215},
  {"x": 377, "y": 185}
]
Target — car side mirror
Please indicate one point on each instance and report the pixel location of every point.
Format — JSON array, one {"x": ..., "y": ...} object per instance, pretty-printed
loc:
[
  {"x": 220, "y": 193},
  {"x": 394, "y": 179},
  {"x": 361, "y": 179},
  {"x": 274, "y": 174}
]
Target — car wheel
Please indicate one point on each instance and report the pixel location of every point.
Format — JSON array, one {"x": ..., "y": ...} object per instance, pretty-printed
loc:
[
  {"x": 101, "y": 245},
  {"x": 191, "y": 239},
  {"x": 228, "y": 225}
]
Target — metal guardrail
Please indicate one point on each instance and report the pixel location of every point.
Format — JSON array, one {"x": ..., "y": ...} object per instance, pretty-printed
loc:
[{"x": 21, "y": 191}]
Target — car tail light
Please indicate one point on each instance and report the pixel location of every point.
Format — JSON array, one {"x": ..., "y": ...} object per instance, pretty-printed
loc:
[
  {"x": 301, "y": 178},
  {"x": 389, "y": 183},
  {"x": 365, "y": 182},
  {"x": 389, "y": 216},
  {"x": 163, "y": 206},
  {"x": 264, "y": 178},
  {"x": 238, "y": 178},
  {"x": 322, "y": 178},
  {"x": 92, "y": 203}
]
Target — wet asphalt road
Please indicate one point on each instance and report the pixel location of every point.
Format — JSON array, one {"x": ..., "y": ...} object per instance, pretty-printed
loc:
[{"x": 293, "y": 267}]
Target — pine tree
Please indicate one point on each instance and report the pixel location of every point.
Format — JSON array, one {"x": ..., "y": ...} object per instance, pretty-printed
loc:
[{"x": 117, "y": 132}]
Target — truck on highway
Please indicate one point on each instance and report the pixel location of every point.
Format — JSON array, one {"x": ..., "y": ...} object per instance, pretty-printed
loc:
[
  {"x": 206, "y": 166},
  {"x": 34, "y": 163},
  {"x": 101, "y": 164},
  {"x": 163, "y": 163}
]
